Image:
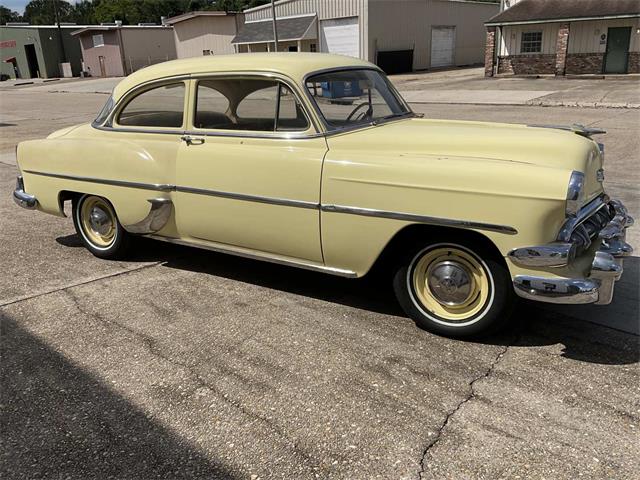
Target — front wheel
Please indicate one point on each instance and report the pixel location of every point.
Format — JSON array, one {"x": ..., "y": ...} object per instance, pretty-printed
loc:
[
  {"x": 98, "y": 226},
  {"x": 454, "y": 289}
]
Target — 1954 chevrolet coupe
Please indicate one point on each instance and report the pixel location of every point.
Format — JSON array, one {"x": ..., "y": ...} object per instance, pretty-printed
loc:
[{"x": 315, "y": 161}]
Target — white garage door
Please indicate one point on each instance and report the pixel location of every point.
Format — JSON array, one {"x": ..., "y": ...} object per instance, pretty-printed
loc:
[
  {"x": 340, "y": 36},
  {"x": 443, "y": 46}
]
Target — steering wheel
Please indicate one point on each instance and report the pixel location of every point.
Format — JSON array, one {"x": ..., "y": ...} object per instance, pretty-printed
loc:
[{"x": 368, "y": 113}]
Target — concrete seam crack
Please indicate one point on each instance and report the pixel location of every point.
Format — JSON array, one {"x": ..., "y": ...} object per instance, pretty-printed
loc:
[
  {"x": 91, "y": 280},
  {"x": 470, "y": 396}
]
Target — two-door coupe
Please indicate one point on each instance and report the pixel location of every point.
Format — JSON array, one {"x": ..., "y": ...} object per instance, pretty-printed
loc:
[{"x": 315, "y": 161}]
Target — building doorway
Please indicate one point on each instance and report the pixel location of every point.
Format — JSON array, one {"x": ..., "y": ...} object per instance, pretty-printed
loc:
[
  {"x": 103, "y": 68},
  {"x": 616, "y": 58},
  {"x": 32, "y": 60}
]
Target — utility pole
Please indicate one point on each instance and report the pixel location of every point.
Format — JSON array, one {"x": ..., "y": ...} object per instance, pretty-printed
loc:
[
  {"x": 273, "y": 20},
  {"x": 57, "y": 17}
]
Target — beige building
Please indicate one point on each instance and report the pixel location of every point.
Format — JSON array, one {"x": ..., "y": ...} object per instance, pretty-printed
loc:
[
  {"x": 205, "y": 33},
  {"x": 564, "y": 37},
  {"x": 398, "y": 35},
  {"x": 117, "y": 50}
]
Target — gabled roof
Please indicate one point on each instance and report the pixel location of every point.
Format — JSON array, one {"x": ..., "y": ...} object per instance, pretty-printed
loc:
[
  {"x": 289, "y": 28},
  {"x": 190, "y": 15},
  {"x": 540, "y": 11}
]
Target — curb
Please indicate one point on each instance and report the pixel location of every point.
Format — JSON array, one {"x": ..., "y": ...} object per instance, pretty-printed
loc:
[
  {"x": 537, "y": 103},
  {"x": 547, "y": 103}
]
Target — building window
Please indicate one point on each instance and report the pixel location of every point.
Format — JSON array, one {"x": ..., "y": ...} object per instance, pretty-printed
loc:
[
  {"x": 531, "y": 42},
  {"x": 98, "y": 40},
  {"x": 293, "y": 48},
  {"x": 312, "y": 47},
  {"x": 208, "y": 52}
]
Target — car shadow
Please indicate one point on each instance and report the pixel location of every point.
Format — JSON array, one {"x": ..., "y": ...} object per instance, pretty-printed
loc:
[
  {"x": 60, "y": 421},
  {"x": 532, "y": 324}
]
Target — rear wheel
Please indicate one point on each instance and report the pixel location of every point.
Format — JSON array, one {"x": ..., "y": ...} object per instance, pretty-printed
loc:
[
  {"x": 98, "y": 226},
  {"x": 454, "y": 289}
]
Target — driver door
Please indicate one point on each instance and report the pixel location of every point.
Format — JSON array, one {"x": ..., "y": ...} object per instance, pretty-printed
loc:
[{"x": 248, "y": 171}]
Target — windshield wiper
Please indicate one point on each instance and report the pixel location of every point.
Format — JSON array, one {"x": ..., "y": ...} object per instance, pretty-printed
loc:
[{"x": 389, "y": 117}]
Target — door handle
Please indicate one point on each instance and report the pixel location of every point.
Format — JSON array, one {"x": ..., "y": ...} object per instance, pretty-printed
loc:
[{"x": 189, "y": 140}]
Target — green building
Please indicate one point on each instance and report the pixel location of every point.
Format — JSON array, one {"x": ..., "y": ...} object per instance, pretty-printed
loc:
[{"x": 37, "y": 51}]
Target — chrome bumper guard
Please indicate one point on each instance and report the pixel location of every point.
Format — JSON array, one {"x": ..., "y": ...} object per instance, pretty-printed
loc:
[
  {"x": 23, "y": 199},
  {"x": 606, "y": 267}
]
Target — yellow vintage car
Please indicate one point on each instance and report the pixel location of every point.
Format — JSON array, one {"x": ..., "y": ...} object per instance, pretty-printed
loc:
[{"x": 316, "y": 161}]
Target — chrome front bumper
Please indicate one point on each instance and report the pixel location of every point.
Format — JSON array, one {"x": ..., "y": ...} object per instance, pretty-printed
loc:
[
  {"x": 24, "y": 199},
  {"x": 606, "y": 267}
]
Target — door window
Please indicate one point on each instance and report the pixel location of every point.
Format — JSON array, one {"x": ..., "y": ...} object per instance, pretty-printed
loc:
[
  {"x": 159, "y": 107},
  {"x": 247, "y": 104},
  {"x": 291, "y": 115}
]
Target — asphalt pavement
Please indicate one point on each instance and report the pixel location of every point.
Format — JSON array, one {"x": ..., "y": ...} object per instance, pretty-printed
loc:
[{"x": 181, "y": 363}]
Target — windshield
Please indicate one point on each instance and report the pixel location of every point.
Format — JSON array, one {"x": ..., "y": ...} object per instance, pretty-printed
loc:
[{"x": 355, "y": 97}]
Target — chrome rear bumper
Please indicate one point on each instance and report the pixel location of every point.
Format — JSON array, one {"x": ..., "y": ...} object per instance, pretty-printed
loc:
[
  {"x": 24, "y": 199},
  {"x": 606, "y": 268}
]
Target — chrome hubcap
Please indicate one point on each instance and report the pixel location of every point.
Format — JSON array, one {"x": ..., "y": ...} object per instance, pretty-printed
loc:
[
  {"x": 100, "y": 221},
  {"x": 450, "y": 283}
]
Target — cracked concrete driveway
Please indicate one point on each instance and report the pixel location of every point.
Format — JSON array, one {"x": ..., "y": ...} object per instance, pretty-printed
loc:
[{"x": 182, "y": 363}]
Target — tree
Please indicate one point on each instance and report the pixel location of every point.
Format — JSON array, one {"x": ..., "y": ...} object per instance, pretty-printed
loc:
[
  {"x": 7, "y": 15},
  {"x": 237, "y": 5},
  {"x": 83, "y": 12},
  {"x": 43, "y": 12}
]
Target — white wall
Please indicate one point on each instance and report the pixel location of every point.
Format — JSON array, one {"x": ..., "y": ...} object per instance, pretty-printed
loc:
[
  {"x": 512, "y": 37},
  {"x": 403, "y": 24},
  {"x": 213, "y": 33},
  {"x": 325, "y": 9},
  {"x": 584, "y": 37}
]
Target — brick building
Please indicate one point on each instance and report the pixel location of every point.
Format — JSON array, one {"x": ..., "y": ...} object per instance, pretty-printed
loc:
[{"x": 564, "y": 37}]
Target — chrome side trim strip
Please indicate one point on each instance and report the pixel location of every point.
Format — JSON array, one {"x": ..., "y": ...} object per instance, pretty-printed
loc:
[
  {"x": 410, "y": 217},
  {"x": 367, "y": 212},
  {"x": 161, "y": 187},
  {"x": 138, "y": 130},
  {"x": 250, "y": 198},
  {"x": 264, "y": 257},
  {"x": 267, "y": 135},
  {"x": 155, "y": 220}
]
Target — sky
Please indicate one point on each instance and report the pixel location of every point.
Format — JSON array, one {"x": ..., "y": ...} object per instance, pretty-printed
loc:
[{"x": 18, "y": 5}]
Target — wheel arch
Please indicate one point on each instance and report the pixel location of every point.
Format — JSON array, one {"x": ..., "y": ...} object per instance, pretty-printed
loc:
[
  {"x": 65, "y": 196},
  {"x": 410, "y": 235}
]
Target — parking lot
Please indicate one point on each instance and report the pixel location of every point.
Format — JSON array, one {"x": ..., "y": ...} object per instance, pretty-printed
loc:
[{"x": 182, "y": 363}]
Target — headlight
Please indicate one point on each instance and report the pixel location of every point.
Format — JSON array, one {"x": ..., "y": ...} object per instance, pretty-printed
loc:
[{"x": 575, "y": 193}]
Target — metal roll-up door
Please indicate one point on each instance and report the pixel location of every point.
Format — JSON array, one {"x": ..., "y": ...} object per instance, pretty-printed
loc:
[
  {"x": 341, "y": 36},
  {"x": 443, "y": 46}
]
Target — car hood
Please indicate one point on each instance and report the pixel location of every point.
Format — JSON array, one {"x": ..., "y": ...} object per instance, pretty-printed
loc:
[{"x": 483, "y": 141}]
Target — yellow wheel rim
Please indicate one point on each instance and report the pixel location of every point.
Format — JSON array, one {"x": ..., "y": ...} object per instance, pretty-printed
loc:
[
  {"x": 98, "y": 221},
  {"x": 450, "y": 283}
]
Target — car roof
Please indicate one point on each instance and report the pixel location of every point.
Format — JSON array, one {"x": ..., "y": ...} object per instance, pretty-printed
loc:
[{"x": 295, "y": 65}]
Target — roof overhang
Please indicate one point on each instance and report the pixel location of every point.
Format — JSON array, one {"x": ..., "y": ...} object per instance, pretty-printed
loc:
[
  {"x": 561, "y": 20},
  {"x": 191, "y": 15}
]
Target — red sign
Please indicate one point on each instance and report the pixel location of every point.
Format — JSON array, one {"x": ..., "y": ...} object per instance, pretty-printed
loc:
[{"x": 8, "y": 44}]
